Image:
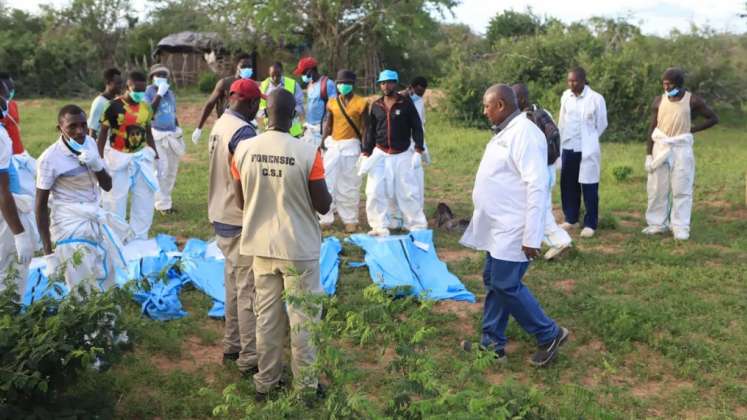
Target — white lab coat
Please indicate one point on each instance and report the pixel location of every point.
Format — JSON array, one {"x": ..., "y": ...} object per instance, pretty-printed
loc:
[
  {"x": 510, "y": 193},
  {"x": 594, "y": 122}
]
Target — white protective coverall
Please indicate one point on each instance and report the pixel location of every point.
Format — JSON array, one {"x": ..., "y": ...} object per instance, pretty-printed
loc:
[
  {"x": 554, "y": 236},
  {"x": 132, "y": 172},
  {"x": 8, "y": 256},
  {"x": 312, "y": 134},
  {"x": 343, "y": 180},
  {"x": 97, "y": 235},
  {"x": 391, "y": 177},
  {"x": 670, "y": 185},
  {"x": 170, "y": 146}
]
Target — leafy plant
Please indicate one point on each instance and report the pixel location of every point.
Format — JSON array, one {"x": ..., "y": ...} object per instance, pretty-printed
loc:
[{"x": 622, "y": 173}]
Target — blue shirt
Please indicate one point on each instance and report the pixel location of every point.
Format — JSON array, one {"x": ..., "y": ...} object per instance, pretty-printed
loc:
[
  {"x": 165, "y": 116},
  {"x": 315, "y": 105}
]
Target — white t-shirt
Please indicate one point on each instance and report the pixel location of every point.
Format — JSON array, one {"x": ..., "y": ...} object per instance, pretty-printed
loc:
[
  {"x": 59, "y": 171},
  {"x": 98, "y": 107}
]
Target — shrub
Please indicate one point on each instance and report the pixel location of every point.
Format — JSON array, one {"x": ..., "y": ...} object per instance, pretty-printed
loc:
[
  {"x": 207, "y": 82},
  {"x": 45, "y": 346},
  {"x": 622, "y": 173}
]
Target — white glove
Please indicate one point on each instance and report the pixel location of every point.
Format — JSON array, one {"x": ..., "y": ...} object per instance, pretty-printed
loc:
[
  {"x": 162, "y": 89},
  {"x": 161, "y": 166},
  {"x": 24, "y": 247},
  {"x": 196, "y": 135},
  {"x": 53, "y": 265},
  {"x": 427, "y": 157},
  {"x": 417, "y": 160},
  {"x": 91, "y": 160},
  {"x": 179, "y": 133},
  {"x": 649, "y": 164}
]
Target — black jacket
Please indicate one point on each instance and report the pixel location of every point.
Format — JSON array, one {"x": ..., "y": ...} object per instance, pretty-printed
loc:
[{"x": 391, "y": 131}]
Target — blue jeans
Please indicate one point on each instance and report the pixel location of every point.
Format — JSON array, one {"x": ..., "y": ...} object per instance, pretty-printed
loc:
[
  {"x": 506, "y": 296},
  {"x": 571, "y": 190}
]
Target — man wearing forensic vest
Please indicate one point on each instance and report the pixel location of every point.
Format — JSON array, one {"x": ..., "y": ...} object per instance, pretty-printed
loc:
[
  {"x": 280, "y": 182},
  {"x": 670, "y": 162},
  {"x": 232, "y": 128}
]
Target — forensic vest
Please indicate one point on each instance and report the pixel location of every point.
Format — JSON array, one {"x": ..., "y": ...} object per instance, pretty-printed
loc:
[
  {"x": 222, "y": 203},
  {"x": 279, "y": 219},
  {"x": 290, "y": 85},
  {"x": 673, "y": 117}
]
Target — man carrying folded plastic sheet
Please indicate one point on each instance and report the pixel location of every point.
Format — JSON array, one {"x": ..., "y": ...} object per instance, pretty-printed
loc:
[
  {"x": 510, "y": 196},
  {"x": 72, "y": 173}
]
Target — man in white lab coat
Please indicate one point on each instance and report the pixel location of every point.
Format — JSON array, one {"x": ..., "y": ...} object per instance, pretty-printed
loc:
[
  {"x": 510, "y": 196},
  {"x": 583, "y": 119}
]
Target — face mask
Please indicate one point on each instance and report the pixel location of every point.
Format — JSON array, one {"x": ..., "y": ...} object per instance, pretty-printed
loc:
[
  {"x": 158, "y": 81},
  {"x": 246, "y": 73},
  {"x": 72, "y": 143},
  {"x": 674, "y": 92},
  {"x": 137, "y": 97},
  {"x": 12, "y": 95},
  {"x": 415, "y": 97},
  {"x": 305, "y": 78},
  {"x": 344, "y": 88}
]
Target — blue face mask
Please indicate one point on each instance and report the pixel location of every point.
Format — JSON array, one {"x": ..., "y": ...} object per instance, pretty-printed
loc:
[
  {"x": 344, "y": 88},
  {"x": 158, "y": 81},
  {"x": 11, "y": 95},
  {"x": 72, "y": 143},
  {"x": 306, "y": 79},
  {"x": 246, "y": 72},
  {"x": 674, "y": 92},
  {"x": 137, "y": 97}
]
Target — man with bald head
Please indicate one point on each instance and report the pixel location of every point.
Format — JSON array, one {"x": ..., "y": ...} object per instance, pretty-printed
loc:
[
  {"x": 670, "y": 161},
  {"x": 556, "y": 238},
  {"x": 280, "y": 186},
  {"x": 510, "y": 196}
]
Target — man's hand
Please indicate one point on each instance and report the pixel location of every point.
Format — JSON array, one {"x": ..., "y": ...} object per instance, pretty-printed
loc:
[
  {"x": 92, "y": 161},
  {"x": 24, "y": 247},
  {"x": 162, "y": 89},
  {"x": 427, "y": 157},
  {"x": 649, "y": 164},
  {"x": 531, "y": 253},
  {"x": 196, "y": 135}
]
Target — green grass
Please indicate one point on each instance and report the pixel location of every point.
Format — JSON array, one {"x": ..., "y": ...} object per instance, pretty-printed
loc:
[{"x": 658, "y": 328}]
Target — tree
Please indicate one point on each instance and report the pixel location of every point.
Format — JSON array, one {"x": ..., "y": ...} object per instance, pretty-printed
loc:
[{"x": 510, "y": 24}]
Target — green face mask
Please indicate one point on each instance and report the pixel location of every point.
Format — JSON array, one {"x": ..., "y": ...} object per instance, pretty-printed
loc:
[
  {"x": 344, "y": 88},
  {"x": 137, "y": 97}
]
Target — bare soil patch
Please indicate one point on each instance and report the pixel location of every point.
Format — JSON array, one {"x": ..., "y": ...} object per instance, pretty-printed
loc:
[{"x": 194, "y": 356}]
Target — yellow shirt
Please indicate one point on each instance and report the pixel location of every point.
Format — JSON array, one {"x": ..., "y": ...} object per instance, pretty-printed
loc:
[{"x": 356, "y": 109}]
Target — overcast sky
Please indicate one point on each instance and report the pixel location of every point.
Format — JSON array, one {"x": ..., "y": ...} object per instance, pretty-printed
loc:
[{"x": 655, "y": 17}]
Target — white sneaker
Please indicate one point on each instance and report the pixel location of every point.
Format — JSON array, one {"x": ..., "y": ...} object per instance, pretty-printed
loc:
[
  {"x": 654, "y": 230},
  {"x": 681, "y": 235},
  {"x": 587, "y": 232},
  {"x": 555, "y": 251},
  {"x": 568, "y": 226},
  {"x": 379, "y": 232}
]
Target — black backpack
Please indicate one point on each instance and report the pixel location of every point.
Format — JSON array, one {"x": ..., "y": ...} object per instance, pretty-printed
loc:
[{"x": 553, "y": 140}]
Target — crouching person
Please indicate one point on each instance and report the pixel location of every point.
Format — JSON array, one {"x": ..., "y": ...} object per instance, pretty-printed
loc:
[{"x": 70, "y": 177}]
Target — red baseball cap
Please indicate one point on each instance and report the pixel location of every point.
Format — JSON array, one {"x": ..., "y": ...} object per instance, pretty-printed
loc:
[
  {"x": 246, "y": 89},
  {"x": 304, "y": 65}
]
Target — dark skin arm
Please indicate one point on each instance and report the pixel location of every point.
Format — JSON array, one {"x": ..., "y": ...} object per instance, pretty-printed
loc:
[
  {"x": 320, "y": 198},
  {"x": 652, "y": 125},
  {"x": 8, "y": 205},
  {"x": 699, "y": 107},
  {"x": 101, "y": 140},
  {"x": 42, "y": 219},
  {"x": 149, "y": 139},
  {"x": 217, "y": 94}
]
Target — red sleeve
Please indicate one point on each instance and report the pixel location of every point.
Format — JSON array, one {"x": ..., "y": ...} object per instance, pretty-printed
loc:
[
  {"x": 317, "y": 169},
  {"x": 235, "y": 170}
]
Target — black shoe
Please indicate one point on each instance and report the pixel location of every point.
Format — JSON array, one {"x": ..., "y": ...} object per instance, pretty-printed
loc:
[
  {"x": 310, "y": 397},
  {"x": 249, "y": 373},
  {"x": 500, "y": 354},
  {"x": 230, "y": 358},
  {"x": 271, "y": 394},
  {"x": 548, "y": 352}
]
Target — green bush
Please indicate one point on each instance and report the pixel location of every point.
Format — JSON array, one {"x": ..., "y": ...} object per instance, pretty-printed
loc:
[
  {"x": 207, "y": 81},
  {"x": 622, "y": 173},
  {"x": 44, "y": 347}
]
